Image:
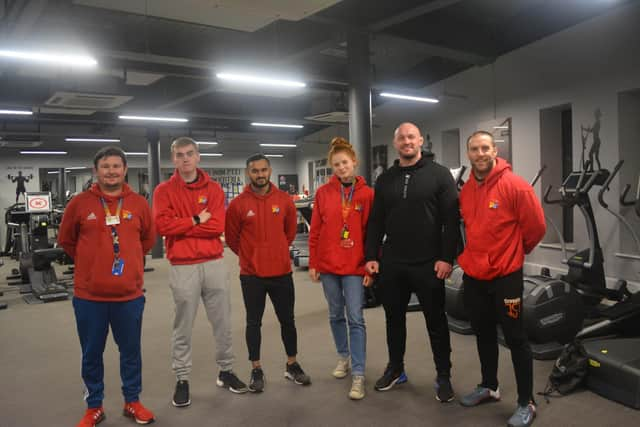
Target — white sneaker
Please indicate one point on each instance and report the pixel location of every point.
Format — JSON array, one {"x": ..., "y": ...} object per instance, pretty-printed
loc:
[
  {"x": 357, "y": 387},
  {"x": 342, "y": 369}
]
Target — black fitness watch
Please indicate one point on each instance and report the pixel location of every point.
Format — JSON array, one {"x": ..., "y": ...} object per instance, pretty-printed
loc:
[{"x": 196, "y": 219}]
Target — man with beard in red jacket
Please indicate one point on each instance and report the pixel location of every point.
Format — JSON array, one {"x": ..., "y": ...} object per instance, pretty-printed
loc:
[
  {"x": 504, "y": 221},
  {"x": 107, "y": 230},
  {"x": 260, "y": 226},
  {"x": 188, "y": 210}
]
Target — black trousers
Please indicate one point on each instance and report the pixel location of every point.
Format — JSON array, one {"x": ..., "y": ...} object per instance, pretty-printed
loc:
[
  {"x": 282, "y": 295},
  {"x": 499, "y": 302},
  {"x": 398, "y": 281}
]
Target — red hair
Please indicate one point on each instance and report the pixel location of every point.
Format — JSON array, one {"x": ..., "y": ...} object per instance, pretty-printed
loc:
[{"x": 341, "y": 145}]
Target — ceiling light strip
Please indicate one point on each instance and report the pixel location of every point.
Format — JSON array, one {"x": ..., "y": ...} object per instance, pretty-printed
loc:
[
  {"x": 92, "y": 139},
  {"x": 246, "y": 78},
  {"x": 51, "y": 153},
  {"x": 155, "y": 119},
  {"x": 278, "y": 145},
  {"x": 409, "y": 97},
  {"x": 50, "y": 58},
  {"x": 277, "y": 125}
]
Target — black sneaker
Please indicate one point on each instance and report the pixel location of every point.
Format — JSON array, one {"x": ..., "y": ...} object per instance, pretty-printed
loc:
[
  {"x": 228, "y": 380},
  {"x": 390, "y": 378},
  {"x": 256, "y": 385},
  {"x": 295, "y": 373},
  {"x": 444, "y": 390},
  {"x": 181, "y": 395}
]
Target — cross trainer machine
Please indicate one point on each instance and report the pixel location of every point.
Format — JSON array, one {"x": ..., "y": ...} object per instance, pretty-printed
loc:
[{"x": 614, "y": 359}]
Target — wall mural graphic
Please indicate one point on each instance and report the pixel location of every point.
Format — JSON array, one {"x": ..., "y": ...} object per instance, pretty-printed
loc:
[
  {"x": 594, "y": 151},
  {"x": 379, "y": 162},
  {"x": 20, "y": 181}
]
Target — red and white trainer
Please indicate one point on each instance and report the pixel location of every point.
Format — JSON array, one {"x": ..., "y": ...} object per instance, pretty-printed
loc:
[
  {"x": 92, "y": 417},
  {"x": 138, "y": 412}
]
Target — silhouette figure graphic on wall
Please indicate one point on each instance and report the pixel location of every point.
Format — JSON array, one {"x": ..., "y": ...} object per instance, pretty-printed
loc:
[
  {"x": 21, "y": 180},
  {"x": 594, "y": 151},
  {"x": 429, "y": 144}
]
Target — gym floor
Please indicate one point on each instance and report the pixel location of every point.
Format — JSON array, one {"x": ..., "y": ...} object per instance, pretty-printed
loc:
[{"x": 41, "y": 384}]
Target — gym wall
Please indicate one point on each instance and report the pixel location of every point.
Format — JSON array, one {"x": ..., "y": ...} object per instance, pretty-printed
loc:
[
  {"x": 32, "y": 164},
  {"x": 586, "y": 66}
]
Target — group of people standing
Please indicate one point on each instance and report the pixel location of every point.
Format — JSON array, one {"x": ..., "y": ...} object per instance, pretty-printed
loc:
[{"x": 404, "y": 235}]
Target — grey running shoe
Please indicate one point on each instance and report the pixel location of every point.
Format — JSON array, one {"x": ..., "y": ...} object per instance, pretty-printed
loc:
[
  {"x": 480, "y": 395},
  {"x": 523, "y": 417}
]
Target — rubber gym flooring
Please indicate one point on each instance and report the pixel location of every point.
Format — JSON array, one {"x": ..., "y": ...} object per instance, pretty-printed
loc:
[{"x": 40, "y": 382}]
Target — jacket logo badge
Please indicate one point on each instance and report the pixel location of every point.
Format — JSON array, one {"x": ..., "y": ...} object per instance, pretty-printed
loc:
[
  {"x": 202, "y": 200},
  {"x": 275, "y": 209},
  {"x": 513, "y": 307},
  {"x": 91, "y": 217},
  {"x": 250, "y": 213},
  {"x": 358, "y": 207},
  {"x": 493, "y": 204},
  {"x": 127, "y": 215}
]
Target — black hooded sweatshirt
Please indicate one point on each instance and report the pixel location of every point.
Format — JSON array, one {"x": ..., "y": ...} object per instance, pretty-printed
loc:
[{"x": 416, "y": 207}]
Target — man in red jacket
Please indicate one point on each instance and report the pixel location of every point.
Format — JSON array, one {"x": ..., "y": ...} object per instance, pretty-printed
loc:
[
  {"x": 503, "y": 221},
  {"x": 107, "y": 230},
  {"x": 188, "y": 211},
  {"x": 261, "y": 224}
]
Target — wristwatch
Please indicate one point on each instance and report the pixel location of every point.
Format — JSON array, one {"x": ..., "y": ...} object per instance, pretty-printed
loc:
[{"x": 196, "y": 219}]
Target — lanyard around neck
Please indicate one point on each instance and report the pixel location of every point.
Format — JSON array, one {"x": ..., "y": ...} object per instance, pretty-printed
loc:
[
  {"x": 346, "y": 202},
  {"x": 107, "y": 212},
  {"x": 114, "y": 231}
]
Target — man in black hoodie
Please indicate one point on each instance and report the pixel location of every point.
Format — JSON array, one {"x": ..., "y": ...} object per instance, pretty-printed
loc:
[{"x": 416, "y": 208}]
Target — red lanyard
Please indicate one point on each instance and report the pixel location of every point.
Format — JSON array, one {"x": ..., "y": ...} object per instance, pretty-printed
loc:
[{"x": 346, "y": 202}]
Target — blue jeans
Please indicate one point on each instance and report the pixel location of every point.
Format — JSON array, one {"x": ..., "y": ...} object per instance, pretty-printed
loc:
[
  {"x": 341, "y": 292},
  {"x": 93, "y": 319}
]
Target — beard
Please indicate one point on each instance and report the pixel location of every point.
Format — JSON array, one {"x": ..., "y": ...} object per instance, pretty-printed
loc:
[
  {"x": 111, "y": 187},
  {"x": 410, "y": 156},
  {"x": 484, "y": 168},
  {"x": 260, "y": 182}
]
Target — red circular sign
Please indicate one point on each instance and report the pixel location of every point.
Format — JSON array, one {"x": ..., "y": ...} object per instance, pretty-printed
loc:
[{"x": 38, "y": 203}]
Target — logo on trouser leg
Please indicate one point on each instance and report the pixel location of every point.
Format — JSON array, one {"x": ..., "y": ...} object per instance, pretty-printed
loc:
[{"x": 513, "y": 307}]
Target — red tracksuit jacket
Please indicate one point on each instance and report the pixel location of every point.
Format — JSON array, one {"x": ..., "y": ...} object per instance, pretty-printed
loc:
[
  {"x": 175, "y": 203},
  {"x": 84, "y": 235},
  {"x": 325, "y": 253},
  {"x": 259, "y": 229},
  {"x": 503, "y": 220}
]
